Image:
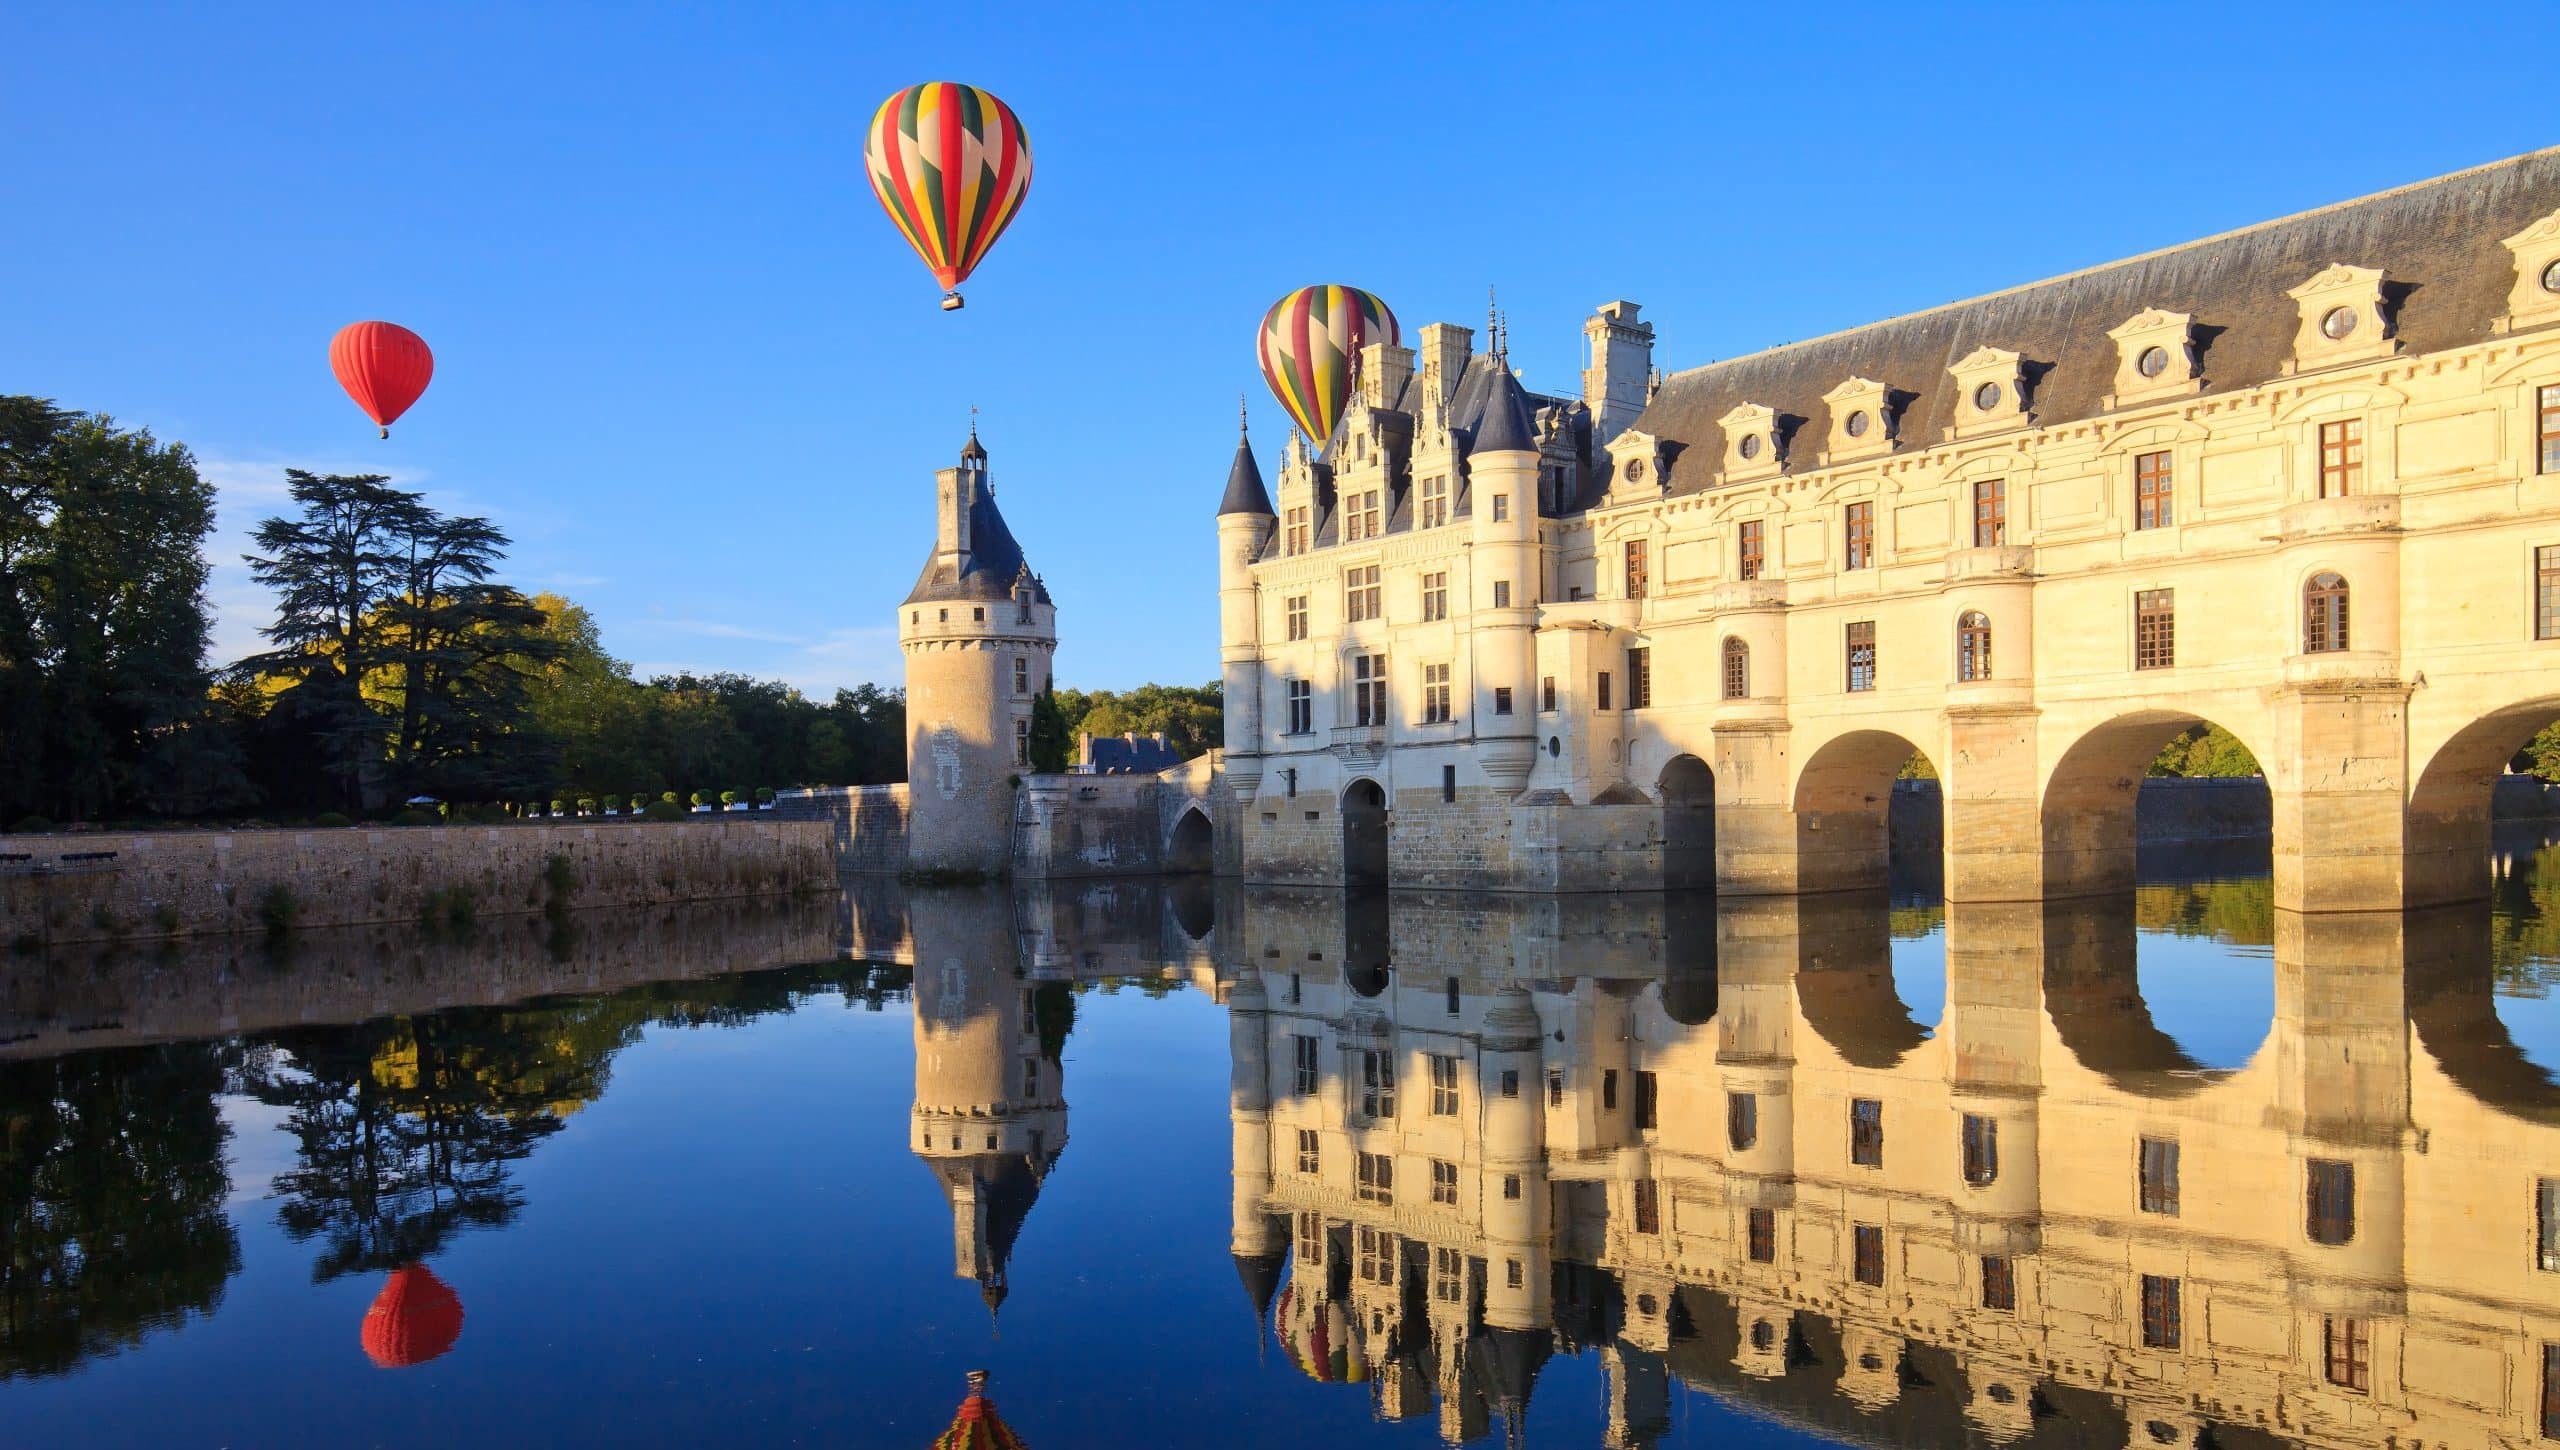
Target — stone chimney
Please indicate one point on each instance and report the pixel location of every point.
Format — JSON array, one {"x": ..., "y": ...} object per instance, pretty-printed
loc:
[
  {"x": 1614, "y": 385},
  {"x": 1384, "y": 370},
  {"x": 1445, "y": 348}
]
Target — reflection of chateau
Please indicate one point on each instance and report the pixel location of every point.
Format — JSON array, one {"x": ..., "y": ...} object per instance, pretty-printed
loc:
[{"x": 2037, "y": 1223}]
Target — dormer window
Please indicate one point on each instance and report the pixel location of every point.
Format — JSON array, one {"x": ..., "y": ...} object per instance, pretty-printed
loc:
[
  {"x": 2345, "y": 319},
  {"x": 2535, "y": 297},
  {"x": 1992, "y": 382},
  {"x": 2155, "y": 357},
  {"x": 1750, "y": 442},
  {"x": 1861, "y": 420}
]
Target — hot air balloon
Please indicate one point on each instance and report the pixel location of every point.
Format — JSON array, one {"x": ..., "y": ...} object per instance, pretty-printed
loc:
[
  {"x": 383, "y": 366},
  {"x": 1307, "y": 343},
  {"x": 950, "y": 165}
]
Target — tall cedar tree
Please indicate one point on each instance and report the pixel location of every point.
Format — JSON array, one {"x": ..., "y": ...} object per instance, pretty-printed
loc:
[
  {"x": 103, "y": 685},
  {"x": 1050, "y": 744}
]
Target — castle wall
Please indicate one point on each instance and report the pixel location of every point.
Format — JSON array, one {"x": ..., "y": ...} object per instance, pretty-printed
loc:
[
  {"x": 195, "y": 883},
  {"x": 869, "y": 822}
]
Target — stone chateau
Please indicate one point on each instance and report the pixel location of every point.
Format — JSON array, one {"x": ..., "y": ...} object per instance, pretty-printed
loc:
[{"x": 2301, "y": 481}]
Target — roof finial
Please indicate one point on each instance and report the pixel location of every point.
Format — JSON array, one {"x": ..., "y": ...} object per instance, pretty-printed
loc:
[
  {"x": 973, "y": 422},
  {"x": 1244, "y": 418}
]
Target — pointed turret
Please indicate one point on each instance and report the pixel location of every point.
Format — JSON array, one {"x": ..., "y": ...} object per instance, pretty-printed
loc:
[
  {"x": 1245, "y": 493},
  {"x": 1505, "y": 427}
]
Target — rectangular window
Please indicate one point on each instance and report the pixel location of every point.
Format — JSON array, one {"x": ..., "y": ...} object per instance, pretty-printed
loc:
[
  {"x": 2546, "y": 1218},
  {"x": 2159, "y": 1170},
  {"x": 2546, "y": 592},
  {"x": 2329, "y": 1201},
  {"x": 1302, "y": 707},
  {"x": 1448, "y": 1276},
  {"x": 1999, "y": 1282},
  {"x": 1448, "y": 784},
  {"x": 1761, "y": 1229},
  {"x": 2551, "y": 1392},
  {"x": 1378, "y": 1083},
  {"x": 2342, "y": 458},
  {"x": 1990, "y": 513},
  {"x": 1360, "y": 594},
  {"x": 1866, "y": 1132},
  {"x": 1294, "y": 536},
  {"x": 1295, "y": 607},
  {"x": 1639, "y": 678},
  {"x": 1031, "y": 1077},
  {"x": 1369, "y": 690},
  {"x": 1981, "y": 1149},
  {"x": 1435, "y": 694},
  {"x": 1737, "y": 669},
  {"x": 1547, "y": 694},
  {"x": 2346, "y": 1352},
  {"x": 2153, "y": 508},
  {"x": 2155, "y": 629},
  {"x": 1742, "y": 1120},
  {"x": 1555, "y": 1088},
  {"x": 1511, "y": 1270},
  {"x": 1310, "y": 1151},
  {"x": 1511, "y": 1187},
  {"x": 1511, "y": 1082},
  {"x": 1376, "y": 1181},
  {"x": 1435, "y": 597},
  {"x": 1375, "y": 1252},
  {"x": 1502, "y": 594},
  {"x": 1435, "y": 501},
  {"x": 1022, "y": 742},
  {"x": 1749, "y": 550},
  {"x": 1444, "y": 1182},
  {"x": 1646, "y": 1087},
  {"x": 1360, "y": 516},
  {"x": 1603, "y": 700},
  {"x": 1639, "y": 569},
  {"x": 1444, "y": 1086},
  {"x": 2160, "y": 1326},
  {"x": 1305, "y": 1059},
  {"x": 1452, "y": 997},
  {"x": 1869, "y": 1253},
  {"x": 1860, "y": 527},
  {"x": 1502, "y": 699},
  {"x": 1608, "y": 1089},
  {"x": 1501, "y": 507},
  {"x": 1021, "y": 676},
  {"x": 1648, "y": 1206},
  {"x": 1310, "y": 1239},
  {"x": 1861, "y": 640}
]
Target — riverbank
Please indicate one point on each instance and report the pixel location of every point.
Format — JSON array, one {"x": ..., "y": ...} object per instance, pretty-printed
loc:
[{"x": 95, "y": 886}]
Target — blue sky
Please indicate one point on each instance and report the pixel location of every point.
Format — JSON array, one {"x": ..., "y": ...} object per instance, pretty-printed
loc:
[{"x": 687, "y": 363}]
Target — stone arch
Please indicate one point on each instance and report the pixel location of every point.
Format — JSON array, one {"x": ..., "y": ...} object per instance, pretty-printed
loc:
[
  {"x": 1688, "y": 791},
  {"x": 1364, "y": 833},
  {"x": 2453, "y": 1010},
  {"x": 1844, "y": 812},
  {"x": 1191, "y": 847},
  {"x": 2086, "y": 809},
  {"x": 2450, "y": 800}
]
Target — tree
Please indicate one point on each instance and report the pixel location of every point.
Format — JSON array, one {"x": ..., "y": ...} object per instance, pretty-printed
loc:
[
  {"x": 1192, "y": 718},
  {"x": 1050, "y": 745},
  {"x": 103, "y": 685}
]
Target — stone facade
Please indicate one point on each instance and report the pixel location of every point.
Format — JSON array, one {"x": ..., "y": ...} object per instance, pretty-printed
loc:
[{"x": 2301, "y": 481}]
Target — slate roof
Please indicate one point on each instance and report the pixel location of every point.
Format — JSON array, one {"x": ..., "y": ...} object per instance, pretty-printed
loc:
[
  {"x": 990, "y": 568},
  {"x": 1122, "y": 755},
  {"x": 2437, "y": 242},
  {"x": 1502, "y": 424},
  {"x": 1245, "y": 493}
]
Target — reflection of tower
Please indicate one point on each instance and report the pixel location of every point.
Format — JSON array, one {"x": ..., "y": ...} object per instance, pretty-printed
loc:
[
  {"x": 978, "y": 632},
  {"x": 989, "y": 1116},
  {"x": 1260, "y": 1241}
]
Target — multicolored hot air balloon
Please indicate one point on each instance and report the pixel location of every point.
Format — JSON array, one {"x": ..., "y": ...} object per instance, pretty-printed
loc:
[
  {"x": 950, "y": 165},
  {"x": 1308, "y": 341},
  {"x": 383, "y": 366}
]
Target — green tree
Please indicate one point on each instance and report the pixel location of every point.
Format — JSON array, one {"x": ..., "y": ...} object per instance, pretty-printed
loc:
[
  {"x": 2202, "y": 751},
  {"x": 1051, "y": 745}
]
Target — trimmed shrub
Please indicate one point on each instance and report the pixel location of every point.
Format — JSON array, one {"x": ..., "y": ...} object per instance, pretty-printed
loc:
[
  {"x": 702, "y": 797},
  {"x": 728, "y": 798},
  {"x": 664, "y": 811},
  {"x": 764, "y": 795},
  {"x": 330, "y": 818},
  {"x": 415, "y": 817},
  {"x": 586, "y": 805}
]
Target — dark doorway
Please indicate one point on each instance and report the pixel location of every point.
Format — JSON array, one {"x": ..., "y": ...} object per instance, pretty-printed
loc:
[
  {"x": 1364, "y": 834},
  {"x": 1688, "y": 824},
  {"x": 1191, "y": 849}
]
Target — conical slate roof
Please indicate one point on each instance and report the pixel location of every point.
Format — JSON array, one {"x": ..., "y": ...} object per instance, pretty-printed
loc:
[
  {"x": 1245, "y": 493},
  {"x": 1505, "y": 428}
]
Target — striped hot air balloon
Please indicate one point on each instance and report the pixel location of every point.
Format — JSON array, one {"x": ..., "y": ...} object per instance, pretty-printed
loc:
[
  {"x": 1307, "y": 343},
  {"x": 950, "y": 165}
]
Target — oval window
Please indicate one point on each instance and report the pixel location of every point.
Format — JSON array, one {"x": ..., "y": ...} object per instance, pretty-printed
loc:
[
  {"x": 1987, "y": 397},
  {"x": 2551, "y": 278},
  {"x": 1555, "y": 747},
  {"x": 1635, "y": 470},
  {"x": 2153, "y": 362},
  {"x": 1856, "y": 427},
  {"x": 2340, "y": 322},
  {"x": 1750, "y": 445}
]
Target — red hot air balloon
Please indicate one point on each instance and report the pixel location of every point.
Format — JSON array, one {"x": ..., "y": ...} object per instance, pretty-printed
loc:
[
  {"x": 951, "y": 166},
  {"x": 415, "y": 1318},
  {"x": 383, "y": 366}
]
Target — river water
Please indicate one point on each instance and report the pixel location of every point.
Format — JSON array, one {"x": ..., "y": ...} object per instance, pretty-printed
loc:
[{"x": 1214, "y": 1166}]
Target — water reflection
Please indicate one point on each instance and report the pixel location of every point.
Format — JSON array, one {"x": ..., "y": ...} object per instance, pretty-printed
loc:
[{"x": 1484, "y": 1154}]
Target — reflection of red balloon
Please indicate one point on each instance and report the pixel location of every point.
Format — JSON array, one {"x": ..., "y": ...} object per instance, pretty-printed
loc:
[
  {"x": 383, "y": 366},
  {"x": 414, "y": 1319}
]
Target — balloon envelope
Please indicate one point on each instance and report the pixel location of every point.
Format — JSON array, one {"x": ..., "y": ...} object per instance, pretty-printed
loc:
[
  {"x": 951, "y": 165},
  {"x": 1307, "y": 343},
  {"x": 415, "y": 1318},
  {"x": 383, "y": 366}
]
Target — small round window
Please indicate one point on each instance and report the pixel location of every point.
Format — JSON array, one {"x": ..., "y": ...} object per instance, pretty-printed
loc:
[
  {"x": 2153, "y": 362},
  {"x": 1856, "y": 427},
  {"x": 1750, "y": 447},
  {"x": 2339, "y": 323},
  {"x": 1555, "y": 747},
  {"x": 2551, "y": 278},
  {"x": 1635, "y": 470},
  {"x": 1987, "y": 397}
]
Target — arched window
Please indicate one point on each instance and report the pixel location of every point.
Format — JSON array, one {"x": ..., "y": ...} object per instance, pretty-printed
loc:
[
  {"x": 1973, "y": 646},
  {"x": 2324, "y": 614},
  {"x": 1737, "y": 669}
]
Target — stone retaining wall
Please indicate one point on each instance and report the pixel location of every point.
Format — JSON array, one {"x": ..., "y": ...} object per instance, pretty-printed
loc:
[{"x": 102, "y": 887}]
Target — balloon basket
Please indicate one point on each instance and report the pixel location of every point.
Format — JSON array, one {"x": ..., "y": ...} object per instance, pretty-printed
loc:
[
  {"x": 951, "y": 302},
  {"x": 386, "y": 432}
]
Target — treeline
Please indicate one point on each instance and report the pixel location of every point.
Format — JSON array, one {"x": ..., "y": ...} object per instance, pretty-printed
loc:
[{"x": 1192, "y": 718}]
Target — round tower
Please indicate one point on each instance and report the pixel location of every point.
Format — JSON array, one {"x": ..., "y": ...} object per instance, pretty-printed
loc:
[
  {"x": 1502, "y": 472},
  {"x": 978, "y": 633},
  {"x": 1245, "y": 522}
]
